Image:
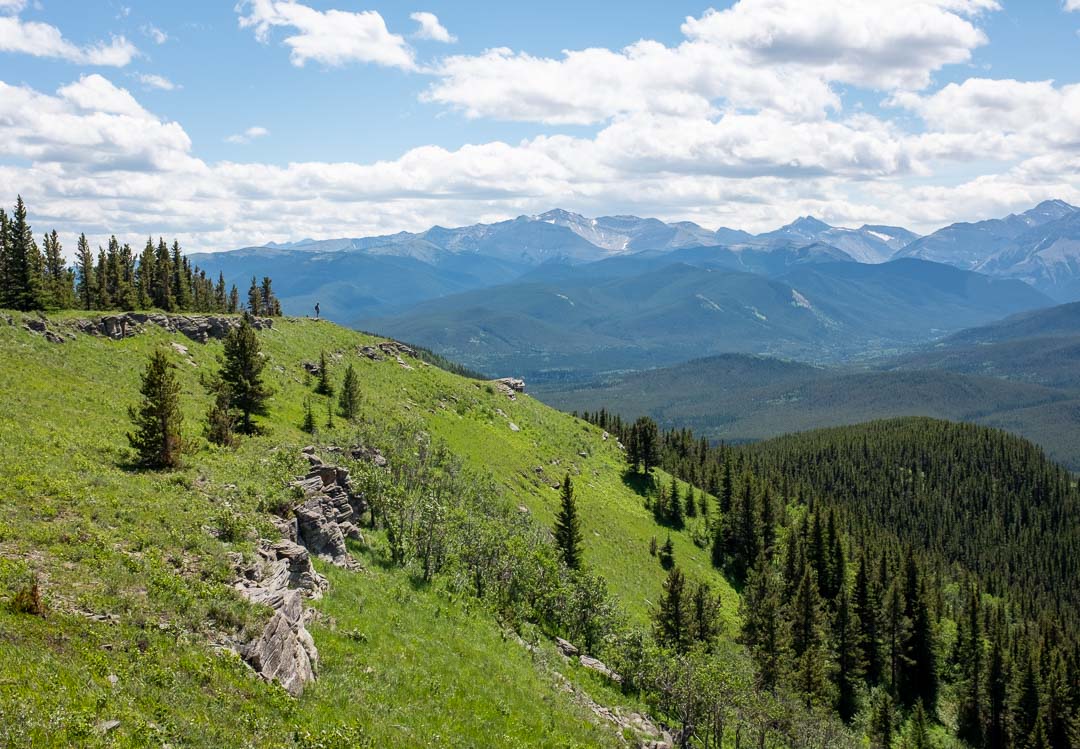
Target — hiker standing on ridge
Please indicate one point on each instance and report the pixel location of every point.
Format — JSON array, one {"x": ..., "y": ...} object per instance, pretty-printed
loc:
[{"x": 316, "y": 310}]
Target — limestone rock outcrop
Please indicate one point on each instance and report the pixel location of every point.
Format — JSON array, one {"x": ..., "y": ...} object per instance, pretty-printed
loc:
[
  {"x": 199, "y": 328},
  {"x": 329, "y": 513}
]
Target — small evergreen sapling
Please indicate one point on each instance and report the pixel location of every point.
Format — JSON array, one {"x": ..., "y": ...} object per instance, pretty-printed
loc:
[
  {"x": 324, "y": 386},
  {"x": 349, "y": 400},
  {"x": 157, "y": 419},
  {"x": 568, "y": 527}
]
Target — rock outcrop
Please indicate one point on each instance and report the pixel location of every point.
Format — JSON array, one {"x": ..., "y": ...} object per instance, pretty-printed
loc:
[
  {"x": 329, "y": 513},
  {"x": 282, "y": 577},
  {"x": 199, "y": 328}
]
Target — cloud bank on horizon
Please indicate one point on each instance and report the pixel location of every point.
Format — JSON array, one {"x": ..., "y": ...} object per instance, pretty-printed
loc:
[{"x": 852, "y": 110}]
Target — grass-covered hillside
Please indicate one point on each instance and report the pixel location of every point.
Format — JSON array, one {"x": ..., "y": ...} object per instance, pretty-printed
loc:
[{"x": 135, "y": 567}]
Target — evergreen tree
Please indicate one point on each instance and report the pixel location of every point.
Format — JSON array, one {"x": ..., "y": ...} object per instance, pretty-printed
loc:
[
  {"x": 163, "y": 296},
  {"x": 221, "y": 294},
  {"x": 647, "y": 438},
  {"x": 234, "y": 300},
  {"x": 84, "y": 263},
  {"x": 5, "y": 261},
  {"x": 57, "y": 286},
  {"x": 808, "y": 639},
  {"x": 220, "y": 419},
  {"x": 144, "y": 276},
  {"x": 309, "y": 417},
  {"x": 667, "y": 554},
  {"x": 867, "y": 609},
  {"x": 268, "y": 303},
  {"x": 255, "y": 299},
  {"x": 181, "y": 279},
  {"x": 568, "y": 535},
  {"x": 349, "y": 400},
  {"x": 672, "y": 619},
  {"x": 919, "y": 730},
  {"x": 325, "y": 386},
  {"x": 157, "y": 419},
  {"x": 882, "y": 721},
  {"x": 727, "y": 490},
  {"x": 763, "y": 630},
  {"x": 918, "y": 674},
  {"x": 997, "y": 685},
  {"x": 847, "y": 656},
  {"x": 241, "y": 371},
  {"x": 23, "y": 292},
  {"x": 329, "y": 413},
  {"x": 969, "y": 645},
  {"x": 674, "y": 514}
]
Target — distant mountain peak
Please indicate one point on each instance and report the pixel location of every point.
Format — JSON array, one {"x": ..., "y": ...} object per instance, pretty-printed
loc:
[{"x": 808, "y": 224}]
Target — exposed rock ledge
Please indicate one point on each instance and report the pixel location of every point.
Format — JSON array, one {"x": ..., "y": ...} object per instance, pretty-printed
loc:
[
  {"x": 200, "y": 328},
  {"x": 285, "y": 651}
]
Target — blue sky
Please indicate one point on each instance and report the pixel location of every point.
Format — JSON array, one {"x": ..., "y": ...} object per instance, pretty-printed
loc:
[{"x": 229, "y": 124}]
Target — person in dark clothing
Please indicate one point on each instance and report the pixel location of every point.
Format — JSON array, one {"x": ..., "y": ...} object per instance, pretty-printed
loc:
[{"x": 316, "y": 310}]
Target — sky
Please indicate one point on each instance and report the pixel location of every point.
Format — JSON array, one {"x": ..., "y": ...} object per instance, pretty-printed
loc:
[{"x": 231, "y": 124}]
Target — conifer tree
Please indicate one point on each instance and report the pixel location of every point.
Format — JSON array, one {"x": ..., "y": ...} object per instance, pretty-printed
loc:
[
  {"x": 181, "y": 279},
  {"x": 808, "y": 639},
  {"x": 84, "y": 263},
  {"x": 163, "y": 296},
  {"x": 241, "y": 371},
  {"x": 157, "y": 419},
  {"x": 5, "y": 277},
  {"x": 918, "y": 674},
  {"x": 234, "y": 300},
  {"x": 255, "y": 299},
  {"x": 325, "y": 385},
  {"x": 674, "y": 514},
  {"x": 763, "y": 630},
  {"x": 221, "y": 294},
  {"x": 997, "y": 686},
  {"x": 919, "y": 731},
  {"x": 220, "y": 419},
  {"x": 847, "y": 657},
  {"x": 349, "y": 400},
  {"x": 568, "y": 537},
  {"x": 882, "y": 721},
  {"x": 309, "y": 417},
  {"x": 667, "y": 554},
  {"x": 268, "y": 303},
  {"x": 672, "y": 619},
  {"x": 22, "y": 294},
  {"x": 866, "y": 603},
  {"x": 969, "y": 646}
]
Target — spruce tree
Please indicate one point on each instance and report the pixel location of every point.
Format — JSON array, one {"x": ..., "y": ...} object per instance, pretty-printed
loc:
[
  {"x": 969, "y": 719},
  {"x": 882, "y": 721},
  {"x": 5, "y": 261},
  {"x": 309, "y": 417},
  {"x": 919, "y": 730},
  {"x": 255, "y": 299},
  {"x": 808, "y": 639},
  {"x": 997, "y": 692},
  {"x": 918, "y": 674},
  {"x": 157, "y": 419},
  {"x": 234, "y": 300},
  {"x": 325, "y": 386},
  {"x": 241, "y": 371},
  {"x": 763, "y": 630},
  {"x": 349, "y": 400},
  {"x": 84, "y": 264},
  {"x": 866, "y": 604},
  {"x": 847, "y": 656},
  {"x": 19, "y": 261},
  {"x": 220, "y": 419},
  {"x": 568, "y": 537},
  {"x": 667, "y": 554},
  {"x": 672, "y": 618}
]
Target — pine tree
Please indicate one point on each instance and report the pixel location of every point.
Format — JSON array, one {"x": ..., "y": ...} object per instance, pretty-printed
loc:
[
  {"x": 5, "y": 261},
  {"x": 241, "y": 371},
  {"x": 234, "y": 300},
  {"x": 672, "y": 619},
  {"x": 667, "y": 554},
  {"x": 325, "y": 386},
  {"x": 220, "y": 419},
  {"x": 144, "y": 277},
  {"x": 267, "y": 301},
  {"x": 674, "y": 514},
  {"x": 349, "y": 400},
  {"x": 221, "y": 294},
  {"x": 181, "y": 279},
  {"x": 763, "y": 630},
  {"x": 847, "y": 656},
  {"x": 808, "y": 639},
  {"x": 997, "y": 686},
  {"x": 882, "y": 721},
  {"x": 918, "y": 674},
  {"x": 568, "y": 537},
  {"x": 22, "y": 294},
  {"x": 919, "y": 730},
  {"x": 309, "y": 417},
  {"x": 866, "y": 604},
  {"x": 255, "y": 299},
  {"x": 157, "y": 419},
  {"x": 163, "y": 295},
  {"x": 969, "y": 719},
  {"x": 84, "y": 263}
]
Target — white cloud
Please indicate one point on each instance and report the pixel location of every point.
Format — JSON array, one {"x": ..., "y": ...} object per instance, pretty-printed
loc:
[
  {"x": 12, "y": 6},
  {"x": 1072, "y": 4},
  {"x": 248, "y": 135},
  {"x": 430, "y": 28},
  {"x": 151, "y": 80},
  {"x": 781, "y": 55},
  {"x": 152, "y": 31},
  {"x": 332, "y": 37},
  {"x": 43, "y": 40}
]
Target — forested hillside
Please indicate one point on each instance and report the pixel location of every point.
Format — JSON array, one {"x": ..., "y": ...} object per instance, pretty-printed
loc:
[{"x": 912, "y": 563}]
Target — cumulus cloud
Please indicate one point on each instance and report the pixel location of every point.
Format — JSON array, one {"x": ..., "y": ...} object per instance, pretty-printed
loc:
[
  {"x": 780, "y": 55},
  {"x": 159, "y": 82},
  {"x": 1072, "y": 4},
  {"x": 248, "y": 135},
  {"x": 12, "y": 6},
  {"x": 430, "y": 28},
  {"x": 332, "y": 37},
  {"x": 44, "y": 40}
]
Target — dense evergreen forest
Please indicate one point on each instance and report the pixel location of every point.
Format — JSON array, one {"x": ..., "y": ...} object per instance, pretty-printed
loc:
[
  {"x": 116, "y": 278},
  {"x": 912, "y": 566}
]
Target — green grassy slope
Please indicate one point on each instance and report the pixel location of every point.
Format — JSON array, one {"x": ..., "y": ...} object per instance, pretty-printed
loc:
[{"x": 138, "y": 585}]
